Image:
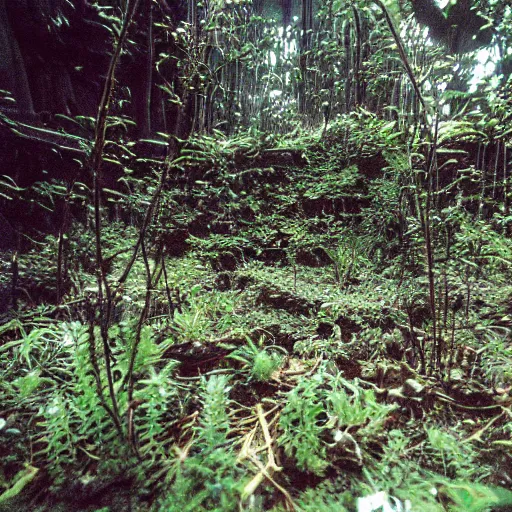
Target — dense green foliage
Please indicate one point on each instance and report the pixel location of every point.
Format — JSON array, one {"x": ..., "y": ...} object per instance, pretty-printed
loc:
[{"x": 297, "y": 298}]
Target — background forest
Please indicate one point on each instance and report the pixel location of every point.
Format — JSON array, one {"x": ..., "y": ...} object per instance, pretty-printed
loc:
[{"x": 255, "y": 255}]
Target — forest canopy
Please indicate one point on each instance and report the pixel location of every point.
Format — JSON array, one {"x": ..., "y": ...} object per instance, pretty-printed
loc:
[{"x": 238, "y": 64}]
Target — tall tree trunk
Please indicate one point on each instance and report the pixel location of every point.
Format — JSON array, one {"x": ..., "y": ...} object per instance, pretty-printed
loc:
[
  {"x": 144, "y": 120},
  {"x": 13, "y": 75}
]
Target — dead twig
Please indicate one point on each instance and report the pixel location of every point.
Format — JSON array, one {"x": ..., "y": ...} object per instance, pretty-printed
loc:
[{"x": 267, "y": 470}]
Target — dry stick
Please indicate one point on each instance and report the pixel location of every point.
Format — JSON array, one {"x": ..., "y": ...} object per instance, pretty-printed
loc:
[
  {"x": 449, "y": 400},
  {"x": 267, "y": 437},
  {"x": 95, "y": 165},
  {"x": 271, "y": 465},
  {"x": 264, "y": 472},
  {"x": 60, "y": 248},
  {"x": 245, "y": 450},
  {"x": 477, "y": 436},
  {"x": 292, "y": 373},
  {"x": 252, "y": 419}
]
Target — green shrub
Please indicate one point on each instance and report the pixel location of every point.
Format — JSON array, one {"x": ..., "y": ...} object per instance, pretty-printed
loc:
[{"x": 325, "y": 417}]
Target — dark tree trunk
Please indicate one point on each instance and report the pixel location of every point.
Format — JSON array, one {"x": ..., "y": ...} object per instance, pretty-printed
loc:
[{"x": 13, "y": 75}]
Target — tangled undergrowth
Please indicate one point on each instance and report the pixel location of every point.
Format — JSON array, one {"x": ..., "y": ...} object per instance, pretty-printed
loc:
[{"x": 283, "y": 343}]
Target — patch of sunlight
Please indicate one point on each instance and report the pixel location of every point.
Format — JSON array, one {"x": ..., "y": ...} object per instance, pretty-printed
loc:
[
  {"x": 275, "y": 93},
  {"x": 442, "y": 87},
  {"x": 485, "y": 67},
  {"x": 290, "y": 47},
  {"x": 381, "y": 501}
]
